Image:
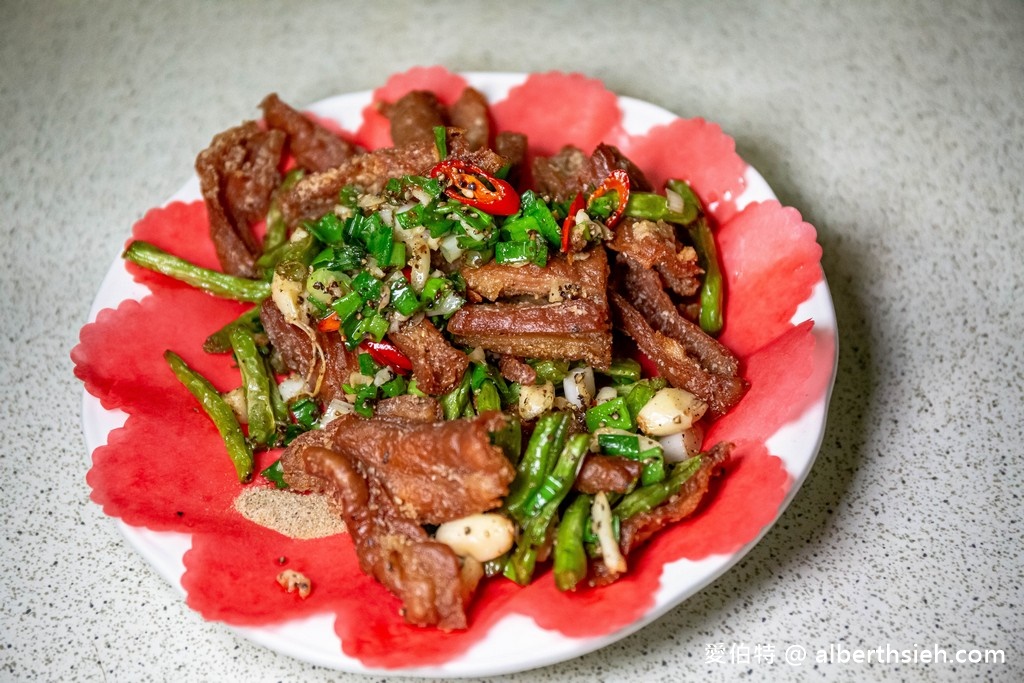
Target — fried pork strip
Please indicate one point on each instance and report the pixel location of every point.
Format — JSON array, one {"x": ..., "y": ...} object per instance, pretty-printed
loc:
[
  {"x": 653, "y": 245},
  {"x": 643, "y": 287},
  {"x": 237, "y": 174},
  {"x": 314, "y": 147},
  {"x": 720, "y": 391},
  {"x": 560, "y": 279},
  {"x": 570, "y": 171},
  {"x": 413, "y": 118},
  {"x": 437, "y": 366},
  {"x": 316, "y": 194},
  {"x": 430, "y": 580},
  {"x": 575, "y": 326},
  {"x": 434, "y": 472},
  {"x": 571, "y": 330},
  {"x": 389, "y": 475}
]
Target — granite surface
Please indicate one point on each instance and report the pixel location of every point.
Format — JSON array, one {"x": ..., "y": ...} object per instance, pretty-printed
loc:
[{"x": 896, "y": 128}]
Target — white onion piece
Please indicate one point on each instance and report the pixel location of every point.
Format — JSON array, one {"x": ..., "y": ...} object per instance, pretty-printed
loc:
[
  {"x": 601, "y": 525},
  {"x": 334, "y": 410},
  {"x": 383, "y": 376},
  {"x": 285, "y": 294},
  {"x": 535, "y": 400},
  {"x": 478, "y": 355},
  {"x": 358, "y": 379},
  {"x": 448, "y": 304},
  {"x": 291, "y": 387},
  {"x": 604, "y": 395},
  {"x": 450, "y": 248},
  {"x": 670, "y": 411},
  {"x": 483, "y": 536},
  {"x": 578, "y": 386},
  {"x": 418, "y": 254}
]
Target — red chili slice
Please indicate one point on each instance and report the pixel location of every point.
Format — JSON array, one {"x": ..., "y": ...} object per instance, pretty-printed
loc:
[
  {"x": 386, "y": 353},
  {"x": 570, "y": 221},
  {"x": 617, "y": 181},
  {"x": 331, "y": 323},
  {"x": 474, "y": 187}
]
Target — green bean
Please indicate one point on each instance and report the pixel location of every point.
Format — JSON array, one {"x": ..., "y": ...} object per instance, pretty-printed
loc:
[
  {"x": 649, "y": 497},
  {"x": 257, "y": 386},
  {"x": 456, "y": 401},
  {"x": 277, "y": 229},
  {"x": 552, "y": 493},
  {"x": 486, "y": 397},
  {"x": 219, "y": 412},
  {"x": 570, "y": 557},
  {"x": 711, "y": 292},
  {"x": 277, "y": 402},
  {"x": 219, "y": 284},
  {"x": 510, "y": 439},
  {"x": 220, "y": 341},
  {"x": 548, "y": 435}
]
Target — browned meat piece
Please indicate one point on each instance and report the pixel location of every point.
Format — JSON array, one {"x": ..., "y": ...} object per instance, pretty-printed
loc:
[
  {"x": 721, "y": 391},
  {"x": 432, "y": 583},
  {"x": 298, "y": 354},
  {"x": 639, "y": 528},
  {"x": 291, "y": 343},
  {"x": 237, "y": 174},
  {"x": 515, "y": 370},
  {"x": 512, "y": 146},
  {"x": 643, "y": 288},
  {"x": 653, "y": 245},
  {"x": 570, "y": 171},
  {"x": 435, "y": 472},
  {"x": 607, "y": 473},
  {"x": 437, "y": 366},
  {"x": 413, "y": 118},
  {"x": 560, "y": 279},
  {"x": 316, "y": 194},
  {"x": 471, "y": 113},
  {"x": 574, "y": 325},
  {"x": 607, "y": 158},
  {"x": 314, "y": 147},
  {"x": 485, "y": 158},
  {"x": 410, "y": 407},
  {"x": 339, "y": 364},
  {"x": 572, "y": 330}
]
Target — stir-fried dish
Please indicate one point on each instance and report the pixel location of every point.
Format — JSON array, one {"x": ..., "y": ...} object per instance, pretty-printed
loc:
[{"x": 489, "y": 366}]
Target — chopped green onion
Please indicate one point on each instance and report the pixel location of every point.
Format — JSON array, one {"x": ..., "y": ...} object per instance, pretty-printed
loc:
[
  {"x": 329, "y": 229},
  {"x": 441, "y": 142},
  {"x": 306, "y": 412},
  {"x": 613, "y": 413},
  {"x": 275, "y": 474}
]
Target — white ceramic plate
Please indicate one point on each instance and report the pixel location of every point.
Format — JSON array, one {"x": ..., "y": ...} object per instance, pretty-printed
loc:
[{"x": 515, "y": 643}]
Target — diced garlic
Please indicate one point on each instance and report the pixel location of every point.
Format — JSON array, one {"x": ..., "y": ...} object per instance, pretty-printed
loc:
[
  {"x": 670, "y": 411},
  {"x": 483, "y": 536},
  {"x": 578, "y": 386},
  {"x": 534, "y": 400}
]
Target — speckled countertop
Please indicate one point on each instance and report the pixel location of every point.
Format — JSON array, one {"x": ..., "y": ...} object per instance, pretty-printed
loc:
[{"x": 895, "y": 127}]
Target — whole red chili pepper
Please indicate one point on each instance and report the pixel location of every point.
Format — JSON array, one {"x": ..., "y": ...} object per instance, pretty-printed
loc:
[
  {"x": 617, "y": 181},
  {"x": 474, "y": 187},
  {"x": 570, "y": 221},
  {"x": 386, "y": 353}
]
